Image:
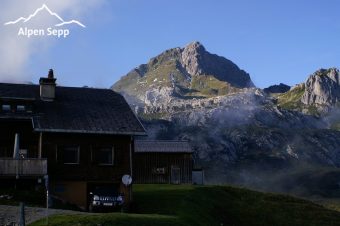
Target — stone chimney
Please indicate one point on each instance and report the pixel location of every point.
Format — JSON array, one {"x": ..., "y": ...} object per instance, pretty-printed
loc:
[{"x": 47, "y": 87}]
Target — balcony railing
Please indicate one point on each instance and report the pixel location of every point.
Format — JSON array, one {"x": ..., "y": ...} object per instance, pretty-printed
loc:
[{"x": 23, "y": 167}]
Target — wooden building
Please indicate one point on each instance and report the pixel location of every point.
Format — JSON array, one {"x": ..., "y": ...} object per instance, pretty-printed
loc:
[
  {"x": 162, "y": 162},
  {"x": 79, "y": 137}
]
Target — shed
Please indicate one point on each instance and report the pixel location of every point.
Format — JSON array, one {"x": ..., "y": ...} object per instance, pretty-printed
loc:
[{"x": 162, "y": 162}]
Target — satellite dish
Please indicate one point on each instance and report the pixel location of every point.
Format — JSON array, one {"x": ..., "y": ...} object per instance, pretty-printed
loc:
[{"x": 127, "y": 180}]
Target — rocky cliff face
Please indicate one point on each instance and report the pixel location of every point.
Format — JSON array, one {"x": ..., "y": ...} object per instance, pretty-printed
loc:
[
  {"x": 246, "y": 138},
  {"x": 230, "y": 129},
  {"x": 317, "y": 96},
  {"x": 197, "y": 61},
  {"x": 244, "y": 133},
  {"x": 322, "y": 88}
]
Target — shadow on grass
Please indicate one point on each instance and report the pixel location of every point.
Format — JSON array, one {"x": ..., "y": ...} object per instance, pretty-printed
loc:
[{"x": 208, "y": 205}]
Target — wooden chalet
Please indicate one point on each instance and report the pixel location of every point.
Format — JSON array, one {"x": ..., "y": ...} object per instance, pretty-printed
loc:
[
  {"x": 79, "y": 137},
  {"x": 162, "y": 162}
]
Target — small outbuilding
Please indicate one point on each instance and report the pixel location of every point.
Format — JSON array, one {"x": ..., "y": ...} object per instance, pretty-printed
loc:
[{"x": 162, "y": 162}]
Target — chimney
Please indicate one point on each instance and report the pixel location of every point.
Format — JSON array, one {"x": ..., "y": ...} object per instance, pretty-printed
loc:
[{"x": 47, "y": 87}]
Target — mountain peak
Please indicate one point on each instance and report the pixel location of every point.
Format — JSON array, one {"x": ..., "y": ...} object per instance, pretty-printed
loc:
[
  {"x": 197, "y": 61},
  {"x": 323, "y": 87},
  {"x": 195, "y": 45},
  {"x": 190, "y": 71},
  {"x": 326, "y": 72},
  {"x": 281, "y": 88}
]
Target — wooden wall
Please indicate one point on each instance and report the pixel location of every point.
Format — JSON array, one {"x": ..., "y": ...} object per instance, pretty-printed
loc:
[
  {"x": 145, "y": 167},
  {"x": 87, "y": 169},
  {"x": 87, "y": 172}
]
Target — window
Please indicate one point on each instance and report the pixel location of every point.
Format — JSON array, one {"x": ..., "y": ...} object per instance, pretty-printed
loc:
[
  {"x": 21, "y": 108},
  {"x": 29, "y": 108},
  {"x": 70, "y": 154},
  {"x": 6, "y": 107},
  {"x": 103, "y": 155}
]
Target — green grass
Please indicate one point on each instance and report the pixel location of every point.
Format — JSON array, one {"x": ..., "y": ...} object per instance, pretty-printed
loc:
[
  {"x": 117, "y": 219},
  {"x": 209, "y": 86},
  {"x": 335, "y": 126},
  {"x": 292, "y": 99},
  {"x": 208, "y": 205}
]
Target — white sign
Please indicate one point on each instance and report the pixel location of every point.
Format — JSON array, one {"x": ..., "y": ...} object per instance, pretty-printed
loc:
[
  {"x": 127, "y": 180},
  {"x": 53, "y": 31}
]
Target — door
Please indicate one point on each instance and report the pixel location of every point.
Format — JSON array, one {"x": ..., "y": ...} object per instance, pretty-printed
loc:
[
  {"x": 175, "y": 175},
  {"x": 198, "y": 177}
]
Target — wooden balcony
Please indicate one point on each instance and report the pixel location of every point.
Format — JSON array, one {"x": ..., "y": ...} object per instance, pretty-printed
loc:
[{"x": 23, "y": 167}]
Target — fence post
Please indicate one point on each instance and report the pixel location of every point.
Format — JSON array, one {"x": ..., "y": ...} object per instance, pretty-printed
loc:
[
  {"x": 47, "y": 197},
  {"x": 22, "y": 214}
]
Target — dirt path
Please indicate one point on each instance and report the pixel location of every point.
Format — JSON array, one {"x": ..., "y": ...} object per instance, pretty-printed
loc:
[{"x": 11, "y": 214}]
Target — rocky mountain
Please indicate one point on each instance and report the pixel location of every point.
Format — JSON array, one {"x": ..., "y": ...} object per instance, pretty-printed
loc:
[
  {"x": 246, "y": 139},
  {"x": 185, "y": 72},
  {"x": 322, "y": 88},
  {"x": 281, "y": 88},
  {"x": 318, "y": 95},
  {"x": 240, "y": 133}
]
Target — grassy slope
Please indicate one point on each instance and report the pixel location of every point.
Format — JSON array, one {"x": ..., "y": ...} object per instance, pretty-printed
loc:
[
  {"x": 292, "y": 99},
  {"x": 208, "y": 205},
  {"x": 209, "y": 86}
]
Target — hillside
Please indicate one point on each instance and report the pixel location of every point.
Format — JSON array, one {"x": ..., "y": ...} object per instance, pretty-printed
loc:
[{"x": 208, "y": 205}]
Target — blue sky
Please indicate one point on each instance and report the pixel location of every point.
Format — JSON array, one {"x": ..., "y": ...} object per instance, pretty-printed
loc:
[{"x": 274, "y": 41}]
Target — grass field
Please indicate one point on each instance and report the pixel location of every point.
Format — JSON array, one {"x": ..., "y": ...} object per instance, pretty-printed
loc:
[{"x": 207, "y": 205}]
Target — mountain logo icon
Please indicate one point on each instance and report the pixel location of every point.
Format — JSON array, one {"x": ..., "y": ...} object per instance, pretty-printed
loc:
[{"x": 45, "y": 7}]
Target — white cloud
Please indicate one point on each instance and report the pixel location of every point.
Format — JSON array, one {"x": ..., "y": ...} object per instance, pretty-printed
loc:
[{"x": 15, "y": 51}]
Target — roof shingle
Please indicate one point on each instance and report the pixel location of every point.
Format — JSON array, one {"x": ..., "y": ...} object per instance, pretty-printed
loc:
[
  {"x": 162, "y": 146},
  {"x": 78, "y": 110}
]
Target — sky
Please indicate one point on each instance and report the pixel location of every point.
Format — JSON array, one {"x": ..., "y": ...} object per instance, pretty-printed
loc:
[{"x": 274, "y": 41}]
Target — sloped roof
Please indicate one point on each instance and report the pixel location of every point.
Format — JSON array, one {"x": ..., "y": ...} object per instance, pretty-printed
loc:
[
  {"x": 161, "y": 146},
  {"x": 76, "y": 110}
]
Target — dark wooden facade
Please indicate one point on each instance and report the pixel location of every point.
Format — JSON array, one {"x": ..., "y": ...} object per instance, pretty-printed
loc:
[
  {"x": 154, "y": 165},
  {"x": 80, "y": 137},
  {"x": 69, "y": 182},
  {"x": 87, "y": 169},
  {"x": 74, "y": 181}
]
